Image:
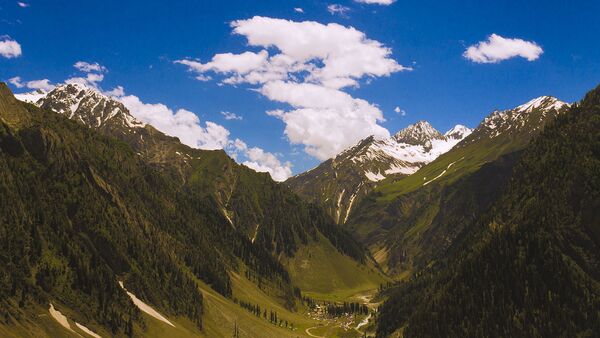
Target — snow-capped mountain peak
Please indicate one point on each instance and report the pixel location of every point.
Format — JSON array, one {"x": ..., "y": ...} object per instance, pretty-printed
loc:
[
  {"x": 458, "y": 132},
  {"x": 543, "y": 102},
  {"x": 419, "y": 133},
  {"x": 343, "y": 180},
  {"x": 526, "y": 118},
  {"x": 32, "y": 97},
  {"x": 85, "y": 104}
]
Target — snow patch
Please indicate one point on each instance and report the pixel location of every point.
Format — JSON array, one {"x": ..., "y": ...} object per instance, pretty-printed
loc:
[
  {"x": 31, "y": 97},
  {"x": 145, "y": 307},
  {"x": 374, "y": 177},
  {"x": 60, "y": 318},
  {"x": 442, "y": 173},
  {"x": 88, "y": 331}
]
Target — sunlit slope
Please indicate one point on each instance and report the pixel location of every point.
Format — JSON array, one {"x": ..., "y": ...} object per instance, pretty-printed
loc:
[
  {"x": 530, "y": 266},
  {"x": 322, "y": 272},
  {"x": 402, "y": 219}
]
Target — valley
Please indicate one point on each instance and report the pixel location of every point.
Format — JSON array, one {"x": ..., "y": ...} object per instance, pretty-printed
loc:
[{"x": 236, "y": 253}]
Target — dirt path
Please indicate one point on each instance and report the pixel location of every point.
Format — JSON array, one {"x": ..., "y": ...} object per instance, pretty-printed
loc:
[{"x": 310, "y": 334}]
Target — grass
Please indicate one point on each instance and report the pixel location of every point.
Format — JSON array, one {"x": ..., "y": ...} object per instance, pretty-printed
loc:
[
  {"x": 323, "y": 273},
  {"x": 331, "y": 276},
  {"x": 35, "y": 321},
  {"x": 466, "y": 159}
]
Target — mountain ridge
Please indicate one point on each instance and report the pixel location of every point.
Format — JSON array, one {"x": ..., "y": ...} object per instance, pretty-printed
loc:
[
  {"x": 341, "y": 182},
  {"x": 530, "y": 264},
  {"x": 110, "y": 198},
  {"x": 400, "y": 215}
]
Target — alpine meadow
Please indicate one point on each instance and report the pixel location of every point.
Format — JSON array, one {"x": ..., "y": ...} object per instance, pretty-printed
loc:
[{"x": 299, "y": 168}]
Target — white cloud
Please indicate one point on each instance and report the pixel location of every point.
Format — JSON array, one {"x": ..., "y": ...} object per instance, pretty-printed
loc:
[
  {"x": 298, "y": 10},
  {"x": 231, "y": 116},
  {"x": 324, "y": 120},
  {"x": 40, "y": 84},
  {"x": 90, "y": 80},
  {"x": 182, "y": 123},
  {"x": 93, "y": 74},
  {"x": 305, "y": 65},
  {"x": 117, "y": 92},
  {"x": 87, "y": 67},
  {"x": 22, "y": 4},
  {"x": 398, "y": 110},
  {"x": 376, "y": 2},
  {"x": 262, "y": 161},
  {"x": 16, "y": 81},
  {"x": 186, "y": 125},
  {"x": 9, "y": 48},
  {"x": 43, "y": 84},
  {"x": 332, "y": 55},
  {"x": 337, "y": 9},
  {"x": 497, "y": 48},
  {"x": 229, "y": 63},
  {"x": 203, "y": 78}
]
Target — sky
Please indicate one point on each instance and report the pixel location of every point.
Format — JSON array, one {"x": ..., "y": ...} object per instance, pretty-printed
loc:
[{"x": 282, "y": 85}]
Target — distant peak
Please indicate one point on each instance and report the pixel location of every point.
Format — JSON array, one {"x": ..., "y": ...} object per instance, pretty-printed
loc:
[
  {"x": 458, "y": 132},
  {"x": 418, "y": 133},
  {"x": 542, "y": 102},
  {"x": 88, "y": 105}
]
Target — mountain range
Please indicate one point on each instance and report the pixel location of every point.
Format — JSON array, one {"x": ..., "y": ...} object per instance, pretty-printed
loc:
[
  {"x": 89, "y": 190},
  {"x": 110, "y": 227},
  {"x": 341, "y": 182}
]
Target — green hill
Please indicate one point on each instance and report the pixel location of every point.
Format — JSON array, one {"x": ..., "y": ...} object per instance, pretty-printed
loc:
[
  {"x": 84, "y": 208},
  {"x": 408, "y": 222},
  {"x": 529, "y": 267}
]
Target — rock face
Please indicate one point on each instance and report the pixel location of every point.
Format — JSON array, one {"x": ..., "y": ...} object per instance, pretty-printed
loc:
[{"x": 339, "y": 183}]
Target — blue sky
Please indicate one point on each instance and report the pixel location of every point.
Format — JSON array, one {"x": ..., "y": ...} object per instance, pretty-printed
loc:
[{"x": 139, "y": 42}]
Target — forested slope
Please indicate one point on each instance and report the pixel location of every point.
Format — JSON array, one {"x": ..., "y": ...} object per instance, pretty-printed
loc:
[
  {"x": 82, "y": 210},
  {"x": 531, "y": 266}
]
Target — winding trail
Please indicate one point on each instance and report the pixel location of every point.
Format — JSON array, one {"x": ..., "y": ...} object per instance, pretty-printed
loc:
[
  {"x": 363, "y": 322},
  {"x": 310, "y": 334}
]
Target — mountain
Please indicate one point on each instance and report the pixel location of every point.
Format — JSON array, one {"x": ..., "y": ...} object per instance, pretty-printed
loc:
[
  {"x": 341, "y": 182},
  {"x": 529, "y": 266},
  {"x": 407, "y": 222},
  {"x": 94, "y": 198},
  {"x": 242, "y": 195}
]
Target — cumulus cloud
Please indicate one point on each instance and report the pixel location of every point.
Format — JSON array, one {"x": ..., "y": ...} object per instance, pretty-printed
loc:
[
  {"x": 298, "y": 10},
  {"x": 22, "y": 4},
  {"x": 306, "y": 65},
  {"x": 338, "y": 9},
  {"x": 399, "y": 111},
  {"x": 262, "y": 161},
  {"x": 94, "y": 74},
  {"x": 186, "y": 126},
  {"x": 16, "y": 81},
  {"x": 497, "y": 48},
  {"x": 330, "y": 54},
  {"x": 43, "y": 84},
  {"x": 117, "y": 91},
  {"x": 182, "y": 123},
  {"x": 324, "y": 120},
  {"x": 9, "y": 48},
  {"x": 90, "y": 80},
  {"x": 231, "y": 116},
  {"x": 87, "y": 67},
  {"x": 376, "y": 2}
]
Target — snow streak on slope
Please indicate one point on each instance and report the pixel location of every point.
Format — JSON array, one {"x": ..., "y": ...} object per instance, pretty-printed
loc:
[
  {"x": 60, "y": 318},
  {"x": 145, "y": 307}
]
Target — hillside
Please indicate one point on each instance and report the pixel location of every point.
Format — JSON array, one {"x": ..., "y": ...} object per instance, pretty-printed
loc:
[
  {"x": 82, "y": 207},
  {"x": 410, "y": 221},
  {"x": 531, "y": 265}
]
